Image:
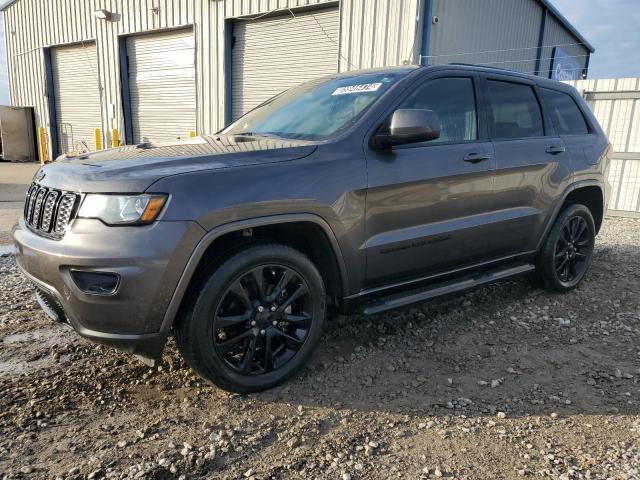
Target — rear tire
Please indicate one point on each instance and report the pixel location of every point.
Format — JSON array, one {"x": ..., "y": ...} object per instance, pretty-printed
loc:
[
  {"x": 255, "y": 320},
  {"x": 566, "y": 254}
]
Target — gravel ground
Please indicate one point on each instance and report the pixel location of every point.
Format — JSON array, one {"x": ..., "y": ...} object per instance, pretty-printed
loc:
[{"x": 505, "y": 381}]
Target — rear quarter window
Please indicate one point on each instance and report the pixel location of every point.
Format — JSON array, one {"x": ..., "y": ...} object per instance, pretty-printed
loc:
[{"x": 564, "y": 112}]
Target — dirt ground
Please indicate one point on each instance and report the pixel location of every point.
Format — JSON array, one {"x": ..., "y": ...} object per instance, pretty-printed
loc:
[{"x": 505, "y": 381}]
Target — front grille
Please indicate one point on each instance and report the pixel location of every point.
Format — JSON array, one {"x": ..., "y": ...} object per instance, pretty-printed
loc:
[{"x": 49, "y": 211}]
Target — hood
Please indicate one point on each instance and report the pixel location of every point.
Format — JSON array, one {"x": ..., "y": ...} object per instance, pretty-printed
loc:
[{"x": 133, "y": 168}]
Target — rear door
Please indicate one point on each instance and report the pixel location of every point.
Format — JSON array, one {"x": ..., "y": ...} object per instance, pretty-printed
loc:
[
  {"x": 531, "y": 160},
  {"x": 569, "y": 122},
  {"x": 430, "y": 205}
]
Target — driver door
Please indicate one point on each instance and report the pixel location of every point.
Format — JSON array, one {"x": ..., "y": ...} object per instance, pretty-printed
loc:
[{"x": 429, "y": 205}]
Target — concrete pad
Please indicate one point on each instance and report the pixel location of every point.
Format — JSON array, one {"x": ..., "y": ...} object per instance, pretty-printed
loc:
[
  {"x": 14, "y": 181},
  {"x": 8, "y": 218},
  {"x": 17, "y": 173}
]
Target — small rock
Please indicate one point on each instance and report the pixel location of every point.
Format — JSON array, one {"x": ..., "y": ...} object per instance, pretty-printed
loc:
[
  {"x": 249, "y": 473},
  {"x": 501, "y": 415},
  {"x": 346, "y": 476}
]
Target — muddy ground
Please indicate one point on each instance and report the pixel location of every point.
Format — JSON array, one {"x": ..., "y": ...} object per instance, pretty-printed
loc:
[{"x": 505, "y": 381}]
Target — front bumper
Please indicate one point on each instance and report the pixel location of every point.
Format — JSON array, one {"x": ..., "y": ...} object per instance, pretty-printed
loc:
[{"x": 149, "y": 261}]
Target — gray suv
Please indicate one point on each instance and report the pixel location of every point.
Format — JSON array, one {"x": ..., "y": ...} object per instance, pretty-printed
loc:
[{"x": 363, "y": 191}]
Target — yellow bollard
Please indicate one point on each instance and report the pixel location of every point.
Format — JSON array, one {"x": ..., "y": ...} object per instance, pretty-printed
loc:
[
  {"x": 42, "y": 136},
  {"x": 97, "y": 134},
  {"x": 115, "y": 138},
  {"x": 192, "y": 133}
]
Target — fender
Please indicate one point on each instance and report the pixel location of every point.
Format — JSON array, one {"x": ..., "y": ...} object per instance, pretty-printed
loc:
[
  {"x": 217, "y": 232},
  {"x": 560, "y": 203}
]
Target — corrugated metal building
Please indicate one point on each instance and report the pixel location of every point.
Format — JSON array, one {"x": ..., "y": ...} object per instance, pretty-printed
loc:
[{"x": 157, "y": 69}]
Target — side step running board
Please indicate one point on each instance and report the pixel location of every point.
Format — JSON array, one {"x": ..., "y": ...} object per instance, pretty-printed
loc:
[{"x": 403, "y": 299}]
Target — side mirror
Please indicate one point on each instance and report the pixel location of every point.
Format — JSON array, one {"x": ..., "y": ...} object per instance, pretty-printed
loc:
[{"x": 410, "y": 126}]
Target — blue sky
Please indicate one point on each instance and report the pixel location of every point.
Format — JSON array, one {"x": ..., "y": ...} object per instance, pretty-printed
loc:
[{"x": 612, "y": 27}]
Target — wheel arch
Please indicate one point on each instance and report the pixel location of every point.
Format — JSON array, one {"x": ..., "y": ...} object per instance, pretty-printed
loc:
[
  {"x": 592, "y": 197},
  {"x": 588, "y": 192},
  {"x": 226, "y": 238}
]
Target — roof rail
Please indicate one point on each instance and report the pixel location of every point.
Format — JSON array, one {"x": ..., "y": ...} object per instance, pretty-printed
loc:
[{"x": 484, "y": 66}]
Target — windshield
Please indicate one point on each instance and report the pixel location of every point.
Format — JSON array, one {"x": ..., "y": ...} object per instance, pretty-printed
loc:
[{"x": 315, "y": 110}]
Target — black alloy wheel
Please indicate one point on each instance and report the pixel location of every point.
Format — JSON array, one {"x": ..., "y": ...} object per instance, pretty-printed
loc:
[
  {"x": 254, "y": 319},
  {"x": 566, "y": 254},
  {"x": 573, "y": 249},
  {"x": 263, "y": 319}
]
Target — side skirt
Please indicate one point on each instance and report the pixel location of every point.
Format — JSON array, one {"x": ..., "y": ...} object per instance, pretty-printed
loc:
[{"x": 421, "y": 294}]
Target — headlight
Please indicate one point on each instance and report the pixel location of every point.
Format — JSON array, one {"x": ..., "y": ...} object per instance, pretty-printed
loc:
[{"x": 122, "y": 209}]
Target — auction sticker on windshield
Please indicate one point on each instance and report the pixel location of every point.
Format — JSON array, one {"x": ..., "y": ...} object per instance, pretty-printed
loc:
[{"x": 363, "y": 87}]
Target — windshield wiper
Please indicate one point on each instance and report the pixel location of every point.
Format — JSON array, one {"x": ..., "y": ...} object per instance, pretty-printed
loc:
[{"x": 256, "y": 134}]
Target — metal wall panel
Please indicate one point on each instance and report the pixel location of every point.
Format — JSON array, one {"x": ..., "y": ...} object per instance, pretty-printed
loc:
[
  {"x": 498, "y": 33},
  {"x": 31, "y": 25},
  {"x": 377, "y": 33},
  {"x": 162, "y": 85},
  {"x": 77, "y": 95},
  {"x": 556, "y": 35},
  {"x": 372, "y": 33},
  {"x": 616, "y": 105},
  {"x": 272, "y": 54}
]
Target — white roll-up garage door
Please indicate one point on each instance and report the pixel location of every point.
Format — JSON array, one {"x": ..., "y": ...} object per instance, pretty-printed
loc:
[
  {"x": 162, "y": 85},
  {"x": 273, "y": 54},
  {"x": 77, "y": 96}
]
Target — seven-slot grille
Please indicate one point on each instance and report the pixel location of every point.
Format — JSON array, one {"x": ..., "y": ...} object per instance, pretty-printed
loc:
[{"x": 49, "y": 211}]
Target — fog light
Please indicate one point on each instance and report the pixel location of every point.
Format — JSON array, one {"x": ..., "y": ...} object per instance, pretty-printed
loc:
[{"x": 96, "y": 283}]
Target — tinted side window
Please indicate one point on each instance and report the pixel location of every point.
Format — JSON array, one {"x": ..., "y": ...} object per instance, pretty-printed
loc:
[
  {"x": 453, "y": 99},
  {"x": 566, "y": 116},
  {"x": 514, "y": 111}
]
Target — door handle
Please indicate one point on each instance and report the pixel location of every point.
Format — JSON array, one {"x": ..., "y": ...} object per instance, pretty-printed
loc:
[
  {"x": 555, "y": 149},
  {"x": 476, "y": 157}
]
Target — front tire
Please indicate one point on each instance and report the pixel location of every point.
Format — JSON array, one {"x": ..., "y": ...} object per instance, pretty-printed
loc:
[
  {"x": 255, "y": 319},
  {"x": 567, "y": 252}
]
